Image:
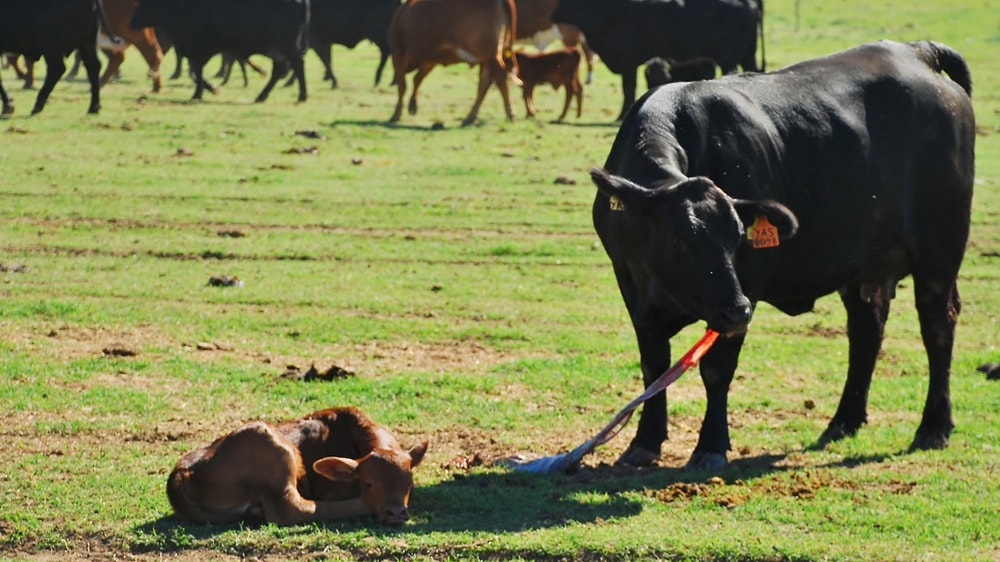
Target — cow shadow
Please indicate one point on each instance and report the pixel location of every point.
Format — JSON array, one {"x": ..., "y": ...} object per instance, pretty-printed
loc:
[{"x": 500, "y": 500}]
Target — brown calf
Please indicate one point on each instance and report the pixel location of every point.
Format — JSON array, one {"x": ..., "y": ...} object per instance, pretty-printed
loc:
[
  {"x": 426, "y": 33},
  {"x": 332, "y": 464},
  {"x": 559, "y": 68}
]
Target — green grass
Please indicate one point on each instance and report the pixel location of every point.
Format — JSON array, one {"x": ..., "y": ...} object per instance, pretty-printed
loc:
[{"x": 468, "y": 292}]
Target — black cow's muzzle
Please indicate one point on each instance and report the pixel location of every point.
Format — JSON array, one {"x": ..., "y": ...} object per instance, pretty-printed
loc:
[{"x": 734, "y": 319}]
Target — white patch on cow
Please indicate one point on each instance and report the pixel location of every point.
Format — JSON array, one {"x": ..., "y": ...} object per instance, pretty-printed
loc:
[
  {"x": 544, "y": 38},
  {"x": 466, "y": 56},
  {"x": 105, "y": 42}
]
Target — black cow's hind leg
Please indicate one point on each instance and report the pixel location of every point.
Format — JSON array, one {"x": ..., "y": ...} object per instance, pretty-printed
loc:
[
  {"x": 628, "y": 89},
  {"x": 92, "y": 65},
  {"x": 938, "y": 305},
  {"x": 8, "y": 102},
  {"x": 56, "y": 68},
  {"x": 866, "y": 317},
  {"x": 717, "y": 369},
  {"x": 279, "y": 69}
]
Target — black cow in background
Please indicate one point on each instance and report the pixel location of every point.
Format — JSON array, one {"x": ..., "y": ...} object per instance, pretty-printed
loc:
[
  {"x": 660, "y": 71},
  {"x": 866, "y": 156},
  {"x": 201, "y": 29},
  {"x": 627, "y": 33},
  {"x": 52, "y": 29},
  {"x": 348, "y": 22}
]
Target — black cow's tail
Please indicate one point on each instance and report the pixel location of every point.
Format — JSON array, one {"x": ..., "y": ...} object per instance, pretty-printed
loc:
[
  {"x": 941, "y": 57},
  {"x": 305, "y": 28}
]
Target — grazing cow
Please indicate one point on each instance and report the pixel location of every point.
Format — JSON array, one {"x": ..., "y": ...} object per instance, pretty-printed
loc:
[
  {"x": 627, "y": 33},
  {"x": 348, "y": 22},
  {"x": 119, "y": 12},
  {"x": 52, "y": 29},
  {"x": 659, "y": 71},
  {"x": 203, "y": 28},
  {"x": 866, "y": 156},
  {"x": 535, "y": 27},
  {"x": 426, "y": 33},
  {"x": 559, "y": 68},
  {"x": 332, "y": 464}
]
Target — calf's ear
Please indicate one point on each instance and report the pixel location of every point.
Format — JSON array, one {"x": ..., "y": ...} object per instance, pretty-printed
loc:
[
  {"x": 336, "y": 468},
  {"x": 624, "y": 194},
  {"x": 777, "y": 214},
  {"x": 417, "y": 454}
]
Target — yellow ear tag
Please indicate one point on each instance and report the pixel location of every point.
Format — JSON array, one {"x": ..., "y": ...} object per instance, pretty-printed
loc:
[
  {"x": 763, "y": 234},
  {"x": 616, "y": 204}
]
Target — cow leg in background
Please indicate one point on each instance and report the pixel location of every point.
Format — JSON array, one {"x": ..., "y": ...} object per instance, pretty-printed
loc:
[
  {"x": 28, "y": 74},
  {"x": 528, "y": 93},
  {"x": 8, "y": 102},
  {"x": 485, "y": 78},
  {"x": 417, "y": 80},
  {"x": 115, "y": 59},
  {"x": 278, "y": 69},
  {"x": 628, "y": 90},
  {"x": 866, "y": 318},
  {"x": 92, "y": 65},
  {"x": 326, "y": 57},
  {"x": 197, "y": 68},
  {"x": 56, "y": 68},
  {"x": 154, "y": 58},
  {"x": 717, "y": 369},
  {"x": 299, "y": 69},
  {"x": 383, "y": 57},
  {"x": 938, "y": 305}
]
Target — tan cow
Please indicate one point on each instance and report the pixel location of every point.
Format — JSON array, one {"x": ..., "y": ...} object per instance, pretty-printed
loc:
[
  {"x": 426, "y": 33},
  {"x": 559, "y": 68},
  {"x": 332, "y": 464}
]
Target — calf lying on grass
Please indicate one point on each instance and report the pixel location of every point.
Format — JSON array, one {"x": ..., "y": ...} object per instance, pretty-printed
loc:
[
  {"x": 559, "y": 68},
  {"x": 332, "y": 464}
]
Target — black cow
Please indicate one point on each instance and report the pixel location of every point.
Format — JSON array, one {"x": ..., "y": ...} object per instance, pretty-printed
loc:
[
  {"x": 660, "y": 71},
  {"x": 348, "y": 22},
  {"x": 866, "y": 156},
  {"x": 627, "y": 33},
  {"x": 201, "y": 29},
  {"x": 52, "y": 29}
]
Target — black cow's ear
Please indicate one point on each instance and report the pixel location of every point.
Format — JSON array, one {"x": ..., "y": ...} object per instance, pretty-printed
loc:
[
  {"x": 778, "y": 215},
  {"x": 624, "y": 194}
]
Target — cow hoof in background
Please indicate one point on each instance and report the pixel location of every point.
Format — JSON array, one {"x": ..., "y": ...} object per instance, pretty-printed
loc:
[
  {"x": 706, "y": 461},
  {"x": 8, "y": 109},
  {"x": 637, "y": 456}
]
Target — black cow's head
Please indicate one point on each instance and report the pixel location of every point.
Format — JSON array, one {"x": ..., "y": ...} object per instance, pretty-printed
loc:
[{"x": 687, "y": 236}]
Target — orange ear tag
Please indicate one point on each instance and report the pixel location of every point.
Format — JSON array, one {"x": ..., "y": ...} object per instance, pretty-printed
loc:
[{"x": 763, "y": 234}]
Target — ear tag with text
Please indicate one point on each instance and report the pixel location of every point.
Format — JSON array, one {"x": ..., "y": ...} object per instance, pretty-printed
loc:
[
  {"x": 616, "y": 204},
  {"x": 763, "y": 234}
]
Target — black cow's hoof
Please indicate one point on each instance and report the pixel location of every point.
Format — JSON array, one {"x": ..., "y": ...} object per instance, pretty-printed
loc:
[
  {"x": 933, "y": 440},
  {"x": 36, "y": 110},
  {"x": 94, "y": 110},
  {"x": 707, "y": 461},
  {"x": 8, "y": 110},
  {"x": 637, "y": 456}
]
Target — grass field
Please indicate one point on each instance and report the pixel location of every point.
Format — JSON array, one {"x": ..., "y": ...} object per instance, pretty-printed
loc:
[{"x": 465, "y": 288}]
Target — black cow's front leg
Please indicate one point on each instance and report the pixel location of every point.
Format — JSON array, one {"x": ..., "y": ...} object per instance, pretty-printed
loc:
[
  {"x": 653, "y": 334},
  {"x": 717, "y": 369},
  {"x": 56, "y": 68},
  {"x": 867, "y": 311}
]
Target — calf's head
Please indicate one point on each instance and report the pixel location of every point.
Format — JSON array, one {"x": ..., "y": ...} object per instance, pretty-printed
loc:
[
  {"x": 386, "y": 478},
  {"x": 686, "y": 237}
]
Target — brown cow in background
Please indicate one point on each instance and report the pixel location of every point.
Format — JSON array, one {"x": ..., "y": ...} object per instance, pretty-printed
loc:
[
  {"x": 118, "y": 13},
  {"x": 426, "y": 33},
  {"x": 332, "y": 464}
]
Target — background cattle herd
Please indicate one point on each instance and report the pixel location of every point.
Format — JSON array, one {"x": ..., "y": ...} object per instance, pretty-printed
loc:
[
  {"x": 684, "y": 41},
  {"x": 527, "y": 43}
]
